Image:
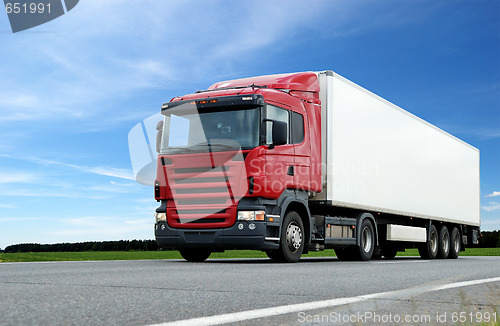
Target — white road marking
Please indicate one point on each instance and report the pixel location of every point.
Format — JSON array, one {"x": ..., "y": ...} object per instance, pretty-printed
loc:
[
  {"x": 281, "y": 310},
  {"x": 465, "y": 283}
]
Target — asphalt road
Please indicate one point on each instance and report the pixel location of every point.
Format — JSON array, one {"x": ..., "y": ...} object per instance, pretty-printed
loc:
[{"x": 249, "y": 292}]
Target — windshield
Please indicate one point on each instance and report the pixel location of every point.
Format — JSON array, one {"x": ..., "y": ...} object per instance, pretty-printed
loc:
[{"x": 191, "y": 130}]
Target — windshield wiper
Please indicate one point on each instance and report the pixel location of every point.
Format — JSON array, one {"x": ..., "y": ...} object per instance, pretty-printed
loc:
[
  {"x": 178, "y": 149},
  {"x": 212, "y": 145},
  {"x": 199, "y": 146}
]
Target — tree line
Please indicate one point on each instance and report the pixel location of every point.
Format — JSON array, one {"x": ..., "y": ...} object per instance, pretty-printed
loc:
[
  {"x": 489, "y": 239},
  {"x": 122, "y": 245}
]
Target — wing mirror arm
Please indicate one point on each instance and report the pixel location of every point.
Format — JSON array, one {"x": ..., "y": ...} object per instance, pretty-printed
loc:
[
  {"x": 279, "y": 132},
  {"x": 159, "y": 135}
]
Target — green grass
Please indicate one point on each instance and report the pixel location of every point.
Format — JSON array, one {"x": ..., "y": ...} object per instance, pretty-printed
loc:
[
  {"x": 136, "y": 255},
  {"x": 88, "y": 255}
]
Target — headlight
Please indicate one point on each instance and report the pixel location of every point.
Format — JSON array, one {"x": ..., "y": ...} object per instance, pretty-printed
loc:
[
  {"x": 251, "y": 215},
  {"x": 161, "y": 217}
]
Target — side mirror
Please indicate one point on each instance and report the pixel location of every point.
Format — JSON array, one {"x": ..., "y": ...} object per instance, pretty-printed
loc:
[
  {"x": 159, "y": 135},
  {"x": 279, "y": 132}
]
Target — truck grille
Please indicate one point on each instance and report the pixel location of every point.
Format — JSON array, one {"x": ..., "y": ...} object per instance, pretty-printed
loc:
[{"x": 204, "y": 189}]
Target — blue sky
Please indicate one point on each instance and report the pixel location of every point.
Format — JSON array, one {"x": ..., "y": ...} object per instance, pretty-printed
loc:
[{"x": 72, "y": 89}]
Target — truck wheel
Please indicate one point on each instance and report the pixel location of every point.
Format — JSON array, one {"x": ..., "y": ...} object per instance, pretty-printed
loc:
[
  {"x": 344, "y": 254},
  {"x": 292, "y": 239},
  {"x": 429, "y": 249},
  {"x": 366, "y": 241},
  {"x": 275, "y": 256},
  {"x": 455, "y": 244},
  {"x": 444, "y": 243},
  {"x": 195, "y": 255}
]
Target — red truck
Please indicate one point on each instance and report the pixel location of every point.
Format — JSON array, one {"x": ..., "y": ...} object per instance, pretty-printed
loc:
[{"x": 308, "y": 161}]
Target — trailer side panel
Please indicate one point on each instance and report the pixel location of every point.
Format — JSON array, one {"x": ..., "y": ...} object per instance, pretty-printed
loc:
[{"x": 382, "y": 158}]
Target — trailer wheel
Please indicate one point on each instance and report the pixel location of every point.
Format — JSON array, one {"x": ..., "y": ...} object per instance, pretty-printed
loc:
[
  {"x": 195, "y": 255},
  {"x": 455, "y": 244},
  {"x": 444, "y": 243},
  {"x": 429, "y": 249},
  {"x": 366, "y": 241},
  {"x": 291, "y": 240}
]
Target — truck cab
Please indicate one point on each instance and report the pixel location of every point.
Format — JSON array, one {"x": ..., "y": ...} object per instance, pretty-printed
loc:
[{"x": 233, "y": 160}]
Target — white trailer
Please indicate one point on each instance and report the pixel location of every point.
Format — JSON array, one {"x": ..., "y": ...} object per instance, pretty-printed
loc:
[{"x": 380, "y": 158}]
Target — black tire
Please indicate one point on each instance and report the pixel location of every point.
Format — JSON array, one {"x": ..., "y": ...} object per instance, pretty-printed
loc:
[
  {"x": 195, "y": 255},
  {"x": 366, "y": 242},
  {"x": 389, "y": 252},
  {"x": 429, "y": 249},
  {"x": 291, "y": 241},
  {"x": 444, "y": 243},
  {"x": 455, "y": 243},
  {"x": 275, "y": 256},
  {"x": 344, "y": 254}
]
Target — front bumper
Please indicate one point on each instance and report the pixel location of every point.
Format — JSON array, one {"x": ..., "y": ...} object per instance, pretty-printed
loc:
[{"x": 239, "y": 236}]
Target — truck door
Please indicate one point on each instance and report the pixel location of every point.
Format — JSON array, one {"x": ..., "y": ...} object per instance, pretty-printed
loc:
[
  {"x": 280, "y": 159},
  {"x": 302, "y": 151}
]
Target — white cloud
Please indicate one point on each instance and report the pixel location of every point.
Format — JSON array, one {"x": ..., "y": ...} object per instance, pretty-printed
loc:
[
  {"x": 20, "y": 100},
  {"x": 490, "y": 225},
  {"x": 78, "y": 229},
  {"x": 105, "y": 51},
  {"x": 107, "y": 226},
  {"x": 110, "y": 171},
  {"x": 18, "y": 219},
  {"x": 126, "y": 174},
  {"x": 17, "y": 177},
  {"x": 494, "y": 194},
  {"x": 143, "y": 221},
  {"x": 121, "y": 184},
  {"x": 492, "y": 206},
  {"x": 53, "y": 179},
  {"x": 481, "y": 133},
  {"x": 113, "y": 187},
  {"x": 7, "y": 206},
  {"x": 46, "y": 192},
  {"x": 146, "y": 44}
]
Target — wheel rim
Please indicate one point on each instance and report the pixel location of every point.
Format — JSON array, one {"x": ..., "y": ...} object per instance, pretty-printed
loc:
[
  {"x": 446, "y": 242},
  {"x": 456, "y": 242},
  {"x": 366, "y": 239},
  {"x": 434, "y": 242},
  {"x": 293, "y": 237}
]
